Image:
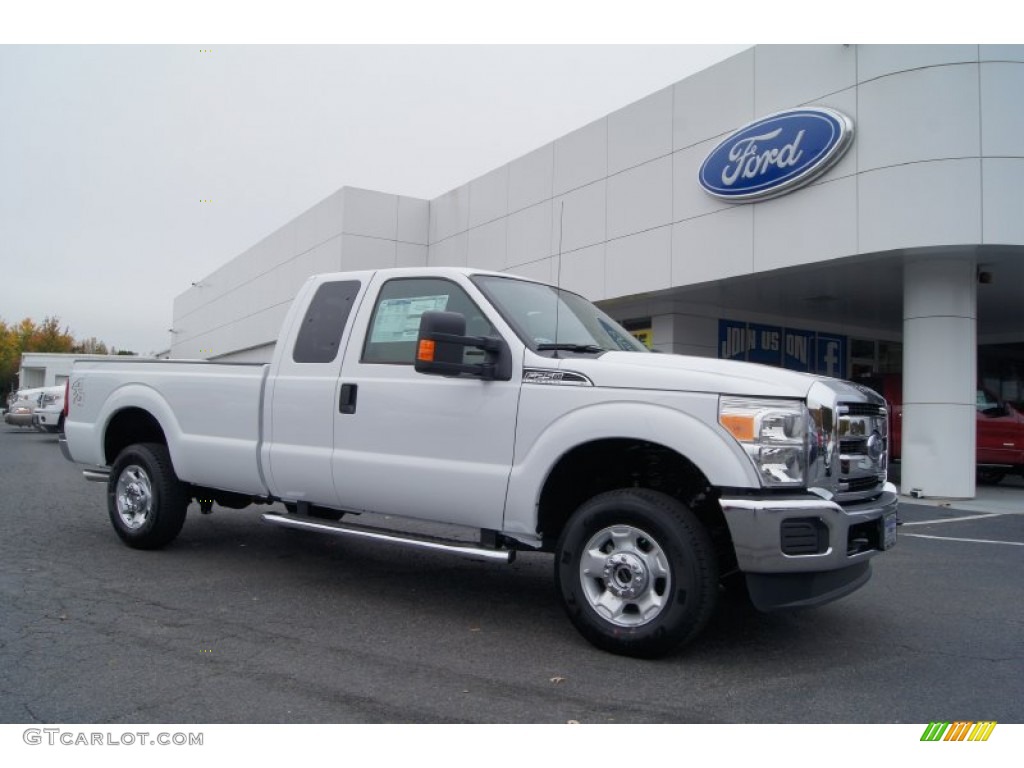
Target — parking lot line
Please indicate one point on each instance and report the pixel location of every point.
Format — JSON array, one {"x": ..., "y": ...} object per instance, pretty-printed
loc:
[
  {"x": 972, "y": 541},
  {"x": 954, "y": 519}
]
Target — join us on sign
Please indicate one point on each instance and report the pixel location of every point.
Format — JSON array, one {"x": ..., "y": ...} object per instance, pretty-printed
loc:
[{"x": 797, "y": 350}]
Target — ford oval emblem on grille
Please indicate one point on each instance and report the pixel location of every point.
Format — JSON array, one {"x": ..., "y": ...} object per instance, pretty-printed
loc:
[{"x": 776, "y": 154}]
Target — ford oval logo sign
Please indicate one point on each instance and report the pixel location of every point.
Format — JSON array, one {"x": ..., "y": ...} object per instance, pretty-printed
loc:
[{"x": 776, "y": 154}]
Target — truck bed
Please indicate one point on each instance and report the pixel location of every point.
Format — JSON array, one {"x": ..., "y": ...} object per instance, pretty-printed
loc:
[{"x": 211, "y": 414}]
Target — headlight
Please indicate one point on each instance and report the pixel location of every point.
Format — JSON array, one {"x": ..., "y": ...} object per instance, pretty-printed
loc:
[{"x": 774, "y": 435}]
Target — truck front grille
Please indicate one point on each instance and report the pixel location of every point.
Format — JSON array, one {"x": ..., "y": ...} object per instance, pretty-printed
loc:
[{"x": 863, "y": 449}]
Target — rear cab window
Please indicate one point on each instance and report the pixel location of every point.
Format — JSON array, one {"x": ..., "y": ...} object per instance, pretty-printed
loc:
[{"x": 319, "y": 336}]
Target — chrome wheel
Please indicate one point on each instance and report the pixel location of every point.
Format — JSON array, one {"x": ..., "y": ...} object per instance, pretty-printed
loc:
[
  {"x": 625, "y": 575},
  {"x": 134, "y": 496}
]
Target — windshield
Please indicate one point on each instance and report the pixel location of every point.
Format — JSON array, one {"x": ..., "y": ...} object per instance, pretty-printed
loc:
[{"x": 547, "y": 318}]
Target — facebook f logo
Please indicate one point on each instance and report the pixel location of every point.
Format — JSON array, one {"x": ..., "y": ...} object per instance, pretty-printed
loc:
[{"x": 832, "y": 356}]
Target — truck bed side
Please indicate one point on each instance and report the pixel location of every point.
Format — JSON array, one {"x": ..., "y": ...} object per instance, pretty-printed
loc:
[{"x": 209, "y": 414}]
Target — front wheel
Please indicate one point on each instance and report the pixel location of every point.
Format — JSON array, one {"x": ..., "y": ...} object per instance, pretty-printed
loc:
[
  {"x": 146, "y": 501},
  {"x": 636, "y": 572}
]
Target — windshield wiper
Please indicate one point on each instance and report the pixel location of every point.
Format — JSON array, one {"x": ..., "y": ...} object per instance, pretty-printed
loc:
[{"x": 571, "y": 347}]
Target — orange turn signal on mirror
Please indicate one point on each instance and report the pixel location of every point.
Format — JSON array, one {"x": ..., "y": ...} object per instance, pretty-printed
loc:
[
  {"x": 740, "y": 425},
  {"x": 425, "y": 351}
]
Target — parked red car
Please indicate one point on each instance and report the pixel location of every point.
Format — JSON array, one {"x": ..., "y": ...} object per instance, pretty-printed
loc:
[{"x": 999, "y": 434}]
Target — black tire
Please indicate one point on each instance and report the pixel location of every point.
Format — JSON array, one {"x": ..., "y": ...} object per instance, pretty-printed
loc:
[
  {"x": 990, "y": 475},
  {"x": 651, "y": 582},
  {"x": 146, "y": 501}
]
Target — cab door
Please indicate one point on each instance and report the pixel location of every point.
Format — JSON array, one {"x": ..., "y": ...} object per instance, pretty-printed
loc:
[
  {"x": 302, "y": 394},
  {"x": 423, "y": 446}
]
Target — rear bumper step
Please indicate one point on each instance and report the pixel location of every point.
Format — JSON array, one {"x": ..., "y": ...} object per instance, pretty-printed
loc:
[{"x": 461, "y": 548}]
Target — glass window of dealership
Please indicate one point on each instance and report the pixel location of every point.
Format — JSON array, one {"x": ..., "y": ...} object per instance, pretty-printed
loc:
[{"x": 839, "y": 209}]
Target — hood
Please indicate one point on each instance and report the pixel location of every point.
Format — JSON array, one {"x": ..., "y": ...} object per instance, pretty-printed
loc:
[{"x": 633, "y": 370}]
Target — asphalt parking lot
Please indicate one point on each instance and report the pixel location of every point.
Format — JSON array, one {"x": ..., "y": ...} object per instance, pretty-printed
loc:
[{"x": 238, "y": 621}]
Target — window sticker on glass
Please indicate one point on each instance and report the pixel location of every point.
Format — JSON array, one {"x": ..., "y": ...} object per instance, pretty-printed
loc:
[{"x": 399, "y": 319}]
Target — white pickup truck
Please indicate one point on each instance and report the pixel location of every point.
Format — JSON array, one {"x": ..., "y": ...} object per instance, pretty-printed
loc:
[{"x": 525, "y": 413}]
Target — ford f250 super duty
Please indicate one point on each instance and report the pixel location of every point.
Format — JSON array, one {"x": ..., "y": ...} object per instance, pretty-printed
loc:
[{"x": 525, "y": 413}]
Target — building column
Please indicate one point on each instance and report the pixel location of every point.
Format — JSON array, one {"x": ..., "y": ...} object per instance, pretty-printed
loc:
[
  {"x": 939, "y": 376},
  {"x": 685, "y": 334}
]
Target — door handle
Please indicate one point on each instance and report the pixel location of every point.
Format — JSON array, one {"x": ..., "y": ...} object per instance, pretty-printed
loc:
[{"x": 347, "y": 399}]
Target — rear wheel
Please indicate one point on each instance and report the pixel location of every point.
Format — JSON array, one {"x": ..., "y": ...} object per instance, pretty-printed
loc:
[
  {"x": 145, "y": 500},
  {"x": 636, "y": 572}
]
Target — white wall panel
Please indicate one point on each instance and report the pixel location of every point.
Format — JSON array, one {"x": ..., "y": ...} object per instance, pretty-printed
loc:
[
  {"x": 688, "y": 197},
  {"x": 640, "y": 198},
  {"x": 925, "y": 114},
  {"x": 261, "y": 354},
  {"x": 581, "y": 157},
  {"x": 1003, "y": 200},
  {"x": 919, "y": 205},
  {"x": 311, "y": 226},
  {"x": 583, "y": 271},
  {"x": 790, "y": 75},
  {"x": 410, "y": 255},
  {"x": 326, "y": 257},
  {"x": 488, "y": 197},
  {"x": 639, "y": 263},
  {"x": 373, "y": 214},
  {"x": 714, "y": 102},
  {"x": 542, "y": 270},
  {"x": 640, "y": 132},
  {"x": 812, "y": 224},
  {"x": 448, "y": 253},
  {"x": 845, "y": 102},
  {"x": 713, "y": 247},
  {"x": 486, "y": 246},
  {"x": 1001, "y": 52},
  {"x": 583, "y": 221},
  {"x": 413, "y": 220},
  {"x": 449, "y": 214},
  {"x": 1002, "y": 110},
  {"x": 878, "y": 60},
  {"x": 531, "y": 178},
  {"x": 529, "y": 234},
  {"x": 263, "y": 257},
  {"x": 359, "y": 252}
]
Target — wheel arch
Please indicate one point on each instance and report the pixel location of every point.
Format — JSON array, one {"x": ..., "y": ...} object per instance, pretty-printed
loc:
[
  {"x": 137, "y": 414},
  {"x": 129, "y": 426},
  {"x": 615, "y": 445}
]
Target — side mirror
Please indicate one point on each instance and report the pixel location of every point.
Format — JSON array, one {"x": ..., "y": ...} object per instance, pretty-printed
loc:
[{"x": 442, "y": 341}]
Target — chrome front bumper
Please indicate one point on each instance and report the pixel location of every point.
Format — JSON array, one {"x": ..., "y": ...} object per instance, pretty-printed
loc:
[{"x": 851, "y": 534}]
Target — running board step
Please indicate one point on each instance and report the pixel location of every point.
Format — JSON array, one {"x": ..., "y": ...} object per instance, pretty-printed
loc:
[{"x": 462, "y": 548}]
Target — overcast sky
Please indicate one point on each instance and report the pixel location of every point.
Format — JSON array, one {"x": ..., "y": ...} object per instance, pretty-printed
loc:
[{"x": 107, "y": 151}]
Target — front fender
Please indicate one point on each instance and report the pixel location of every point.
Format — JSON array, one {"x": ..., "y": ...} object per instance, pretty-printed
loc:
[{"x": 709, "y": 448}]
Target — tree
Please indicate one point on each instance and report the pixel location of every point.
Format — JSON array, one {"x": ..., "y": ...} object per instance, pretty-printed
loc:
[
  {"x": 48, "y": 336},
  {"x": 91, "y": 346},
  {"x": 10, "y": 356}
]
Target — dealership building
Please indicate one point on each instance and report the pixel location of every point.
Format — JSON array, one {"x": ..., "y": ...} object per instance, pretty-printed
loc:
[{"x": 849, "y": 210}]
